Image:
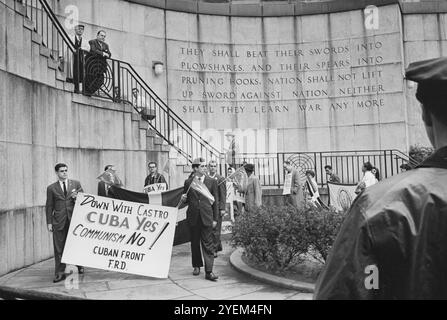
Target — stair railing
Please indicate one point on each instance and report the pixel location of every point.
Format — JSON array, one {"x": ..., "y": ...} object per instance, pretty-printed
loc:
[{"x": 118, "y": 83}]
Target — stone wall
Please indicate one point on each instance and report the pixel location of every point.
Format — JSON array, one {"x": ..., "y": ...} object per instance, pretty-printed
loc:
[
  {"x": 306, "y": 81},
  {"x": 41, "y": 124}
]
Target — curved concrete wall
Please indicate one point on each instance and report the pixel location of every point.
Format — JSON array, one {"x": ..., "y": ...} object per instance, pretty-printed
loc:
[
  {"x": 42, "y": 123},
  {"x": 249, "y": 74}
]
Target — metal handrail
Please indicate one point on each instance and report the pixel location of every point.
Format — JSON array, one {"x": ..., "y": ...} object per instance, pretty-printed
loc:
[{"x": 168, "y": 114}]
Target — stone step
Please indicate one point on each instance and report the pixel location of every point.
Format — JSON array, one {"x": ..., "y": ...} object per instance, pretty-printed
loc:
[
  {"x": 60, "y": 84},
  {"x": 51, "y": 76},
  {"x": 61, "y": 75},
  {"x": 44, "y": 51},
  {"x": 69, "y": 86},
  {"x": 36, "y": 38},
  {"x": 20, "y": 8},
  {"x": 136, "y": 116},
  {"x": 52, "y": 64},
  {"x": 29, "y": 24},
  {"x": 158, "y": 141},
  {"x": 143, "y": 124}
]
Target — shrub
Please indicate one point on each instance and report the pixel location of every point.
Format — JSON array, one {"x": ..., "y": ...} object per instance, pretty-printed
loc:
[
  {"x": 322, "y": 226},
  {"x": 271, "y": 236},
  {"x": 419, "y": 153},
  {"x": 279, "y": 237}
]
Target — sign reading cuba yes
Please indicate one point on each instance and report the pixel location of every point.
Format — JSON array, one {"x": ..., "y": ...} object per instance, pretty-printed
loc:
[{"x": 121, "y": 236}]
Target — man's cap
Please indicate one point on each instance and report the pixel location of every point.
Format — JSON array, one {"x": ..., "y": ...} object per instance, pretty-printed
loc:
[
  {"x": 432, "y": 70},
  {"x": 198, "y": 161},
  {"x": 249, "y": 167},
  {"x": 431, "y": 76},
  {"x": 80, "y": 26}
]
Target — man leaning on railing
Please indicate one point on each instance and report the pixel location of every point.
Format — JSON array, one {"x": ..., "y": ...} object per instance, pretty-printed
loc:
[{"x": 96, "y": 64}]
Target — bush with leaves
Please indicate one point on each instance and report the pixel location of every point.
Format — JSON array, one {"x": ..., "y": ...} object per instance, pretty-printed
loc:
[
  {"x": 272, "y": 236},
  {"x": 419, "y": 153},
  {"x": 322, "y": 226},
  {"x": 279, "y": 237}
]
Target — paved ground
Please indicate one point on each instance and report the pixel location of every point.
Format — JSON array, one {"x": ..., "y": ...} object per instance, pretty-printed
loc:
[{"x": 181, "y": 284}]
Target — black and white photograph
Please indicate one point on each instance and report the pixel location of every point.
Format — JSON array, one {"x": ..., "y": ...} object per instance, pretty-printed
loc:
[{"x": 225, "y": 157}]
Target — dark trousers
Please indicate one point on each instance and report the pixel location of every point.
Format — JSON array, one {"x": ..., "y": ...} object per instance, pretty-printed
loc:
[
  {"x": 59, "y": 237},
  {"x": 202, "y": 236},
  {"x": 216, "y": 234}
]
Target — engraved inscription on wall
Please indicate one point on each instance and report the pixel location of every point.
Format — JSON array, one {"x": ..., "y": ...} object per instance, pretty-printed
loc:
[{"x": 361, "y": 74}]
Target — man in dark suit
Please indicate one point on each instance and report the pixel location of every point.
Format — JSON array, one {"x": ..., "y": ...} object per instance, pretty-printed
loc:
[
  {"x": 202, "y": 216},
  {"x": 61, "y": 197},
  {"x": 222, "y": 191},
  {"x": 154, "y": 176},
  {"x": 98, "y": 46},
  {"x": 78, "y": 57},
  {"x": 96, "y": 64}
]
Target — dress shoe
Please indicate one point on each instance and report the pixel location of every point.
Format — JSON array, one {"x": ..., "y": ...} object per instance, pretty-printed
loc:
[
  {"x": 211, "y": 276},
  {"x": 81, "y": 270},
  {"x": 59, "y": 277},
  {"x": 196, "y": 272}
]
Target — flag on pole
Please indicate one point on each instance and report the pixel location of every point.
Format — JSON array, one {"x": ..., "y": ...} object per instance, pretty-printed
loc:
[
  {"x": 169, "y": 198},
  {"x": 341, "y": 195},
  {"x": 110, "y": 177},
  {"x": 199, "y": 186}
]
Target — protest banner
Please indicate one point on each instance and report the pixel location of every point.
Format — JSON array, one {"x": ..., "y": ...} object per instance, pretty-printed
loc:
[
  {"x": 121, "y": 236},
  {"x": 341, "y": 195},
  {"x": 156, "y": 187},
  {"x": 170, "y": 198}
]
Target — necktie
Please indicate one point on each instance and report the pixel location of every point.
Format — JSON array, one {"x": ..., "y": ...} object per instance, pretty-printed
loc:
[{"x": 65, "y": 189}]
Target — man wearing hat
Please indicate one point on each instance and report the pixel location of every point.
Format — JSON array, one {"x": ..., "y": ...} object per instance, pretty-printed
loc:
[
  {"x": 77, "y": 63},
  {"x": 393, "y": 242},
  {"x": 201, "y": 195}
]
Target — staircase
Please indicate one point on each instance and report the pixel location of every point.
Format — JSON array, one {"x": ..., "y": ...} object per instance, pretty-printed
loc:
[{"x": 51, "y": 46}]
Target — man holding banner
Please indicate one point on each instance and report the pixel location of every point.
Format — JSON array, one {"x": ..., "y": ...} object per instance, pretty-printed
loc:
[
  {"x": 154, "y": 182},
  {"x": 201, "y": 195}
]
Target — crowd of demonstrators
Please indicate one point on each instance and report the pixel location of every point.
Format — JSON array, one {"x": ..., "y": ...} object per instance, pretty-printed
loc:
[{"x": 392, "y": 244}]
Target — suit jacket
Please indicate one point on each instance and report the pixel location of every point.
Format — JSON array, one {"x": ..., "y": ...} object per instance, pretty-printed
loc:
[
  {"x": 58, "y": 207},
  {"x": 253, "y": 196},
  {"x": 102, "y": 189},
  {"x": 199, "y": 205},
  {"x": 156, "y": 178},
  {"x": 98, "y": 48},
  {"x": 222, "y": 191}
]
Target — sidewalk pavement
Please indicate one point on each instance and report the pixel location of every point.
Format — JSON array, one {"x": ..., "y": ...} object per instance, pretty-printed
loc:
[{"x": 180, "y": 285}]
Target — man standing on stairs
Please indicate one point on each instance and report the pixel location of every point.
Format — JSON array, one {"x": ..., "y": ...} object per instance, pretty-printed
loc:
[
  {"x": 222, "y": 190},
  {"x": 96, "y": 63},
  {"x": 61, "y": 197},
  {"x": 201, "y": 195},
  {"x": 154, "y": 177},
  {"x": 78, "y": 57}
]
